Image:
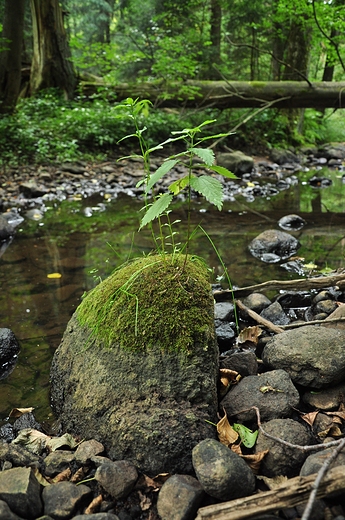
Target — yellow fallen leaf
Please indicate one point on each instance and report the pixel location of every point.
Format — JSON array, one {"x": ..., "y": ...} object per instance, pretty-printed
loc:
[
  {"x": 273, "y": 483},
  {"x": 54, "y": 275},
  {"x": 249, "y": 334},
  {"x": 227, "y": 377},
  {"x": 18, "y": 412}
]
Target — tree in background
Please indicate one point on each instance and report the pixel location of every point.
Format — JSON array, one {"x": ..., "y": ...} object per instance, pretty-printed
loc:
[
  {"x": 51, "y": 64},
  {"x": 10, "y": 55}
]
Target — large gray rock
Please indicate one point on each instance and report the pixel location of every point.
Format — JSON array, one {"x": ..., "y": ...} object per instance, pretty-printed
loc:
[
  {"x": 237, "y": 162},
  {"x": 179, "y": 498},
  {"x": 222, "y": 473},
  {"x": 144, "y": 384},
  {"x": 282, "y": 460},
  {"x": 20, "y": 489},
  {"x": 313, "y": 356},
  {"x": 272, "y": 392},
  {"x": 9, "y": 349},
  {"x": 6, "y": 229},
  {"x": 273, "y": 245}
]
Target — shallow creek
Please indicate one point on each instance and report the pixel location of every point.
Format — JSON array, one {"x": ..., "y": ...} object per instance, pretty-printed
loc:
[{"x": 82, "y": 241}]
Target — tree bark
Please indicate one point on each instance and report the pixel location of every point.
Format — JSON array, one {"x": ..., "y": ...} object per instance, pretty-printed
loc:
[
  {"x": 10, "y": 57},
  {"x": 51, "y": 66},
  {"x": 231, "y": 94}
]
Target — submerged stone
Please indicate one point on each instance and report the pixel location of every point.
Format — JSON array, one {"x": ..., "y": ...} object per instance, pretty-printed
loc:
[{"x": 138, "y": 363}]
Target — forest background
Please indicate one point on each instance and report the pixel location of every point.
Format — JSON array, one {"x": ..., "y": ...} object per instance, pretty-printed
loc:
[{"x": 65, "y": 67}]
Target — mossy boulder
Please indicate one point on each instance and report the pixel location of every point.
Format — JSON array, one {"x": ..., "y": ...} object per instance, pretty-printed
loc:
[{"x": 138, "y": 363}]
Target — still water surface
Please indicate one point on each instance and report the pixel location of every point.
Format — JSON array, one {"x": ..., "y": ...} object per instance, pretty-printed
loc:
[{"x": 85, "y": 240}]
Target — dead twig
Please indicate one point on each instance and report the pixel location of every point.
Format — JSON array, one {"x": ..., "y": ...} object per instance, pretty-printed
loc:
[
  {"x": 266, "y": 323},
  {"x": 320, "y": 282}
]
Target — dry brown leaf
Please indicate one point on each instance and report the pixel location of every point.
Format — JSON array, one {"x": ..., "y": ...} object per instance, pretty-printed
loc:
[
  {"x": 151, "y": 484},
  {"x": 336, "y": 419},
  {"x": 61, "y": 477},
  {"x": 273, "y": 483},
  {"x": 249, "y": 334},
  {"x": 309, "y": 417},
  {"x": 94, "y": 506},
  {"x": 340, "y": 415},
  {"x": 226, "y": 434},
  {"x": 18, "y": 412},
  {"x": 227, "y": 377},
  {"x": 236, "y": 448},
  {"x": 335, "y": 431},
  {"x": 254, "y": 460},
  {"x": 145, "y": 501},
  {"x": 79, "y": 475}
]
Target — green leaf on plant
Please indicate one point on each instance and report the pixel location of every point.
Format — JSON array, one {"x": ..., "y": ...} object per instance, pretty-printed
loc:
[
  {"x": 210, "y": 188},
  {"x": 160, "y": 172},
  {"x": 205, "y": 154},
  {"x": 223, "y": 171},
  {"x": 248, "y": 437},
  {"x": 179, "y": 185},
  {"x": 157, "y": 209}
]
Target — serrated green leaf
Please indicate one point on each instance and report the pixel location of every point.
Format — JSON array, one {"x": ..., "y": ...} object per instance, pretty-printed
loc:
[
  {"x": 160, "y": 172},
  {"x": 179, "y": 185},
  {"x": 248, "y": 437},
  {"x": 210, "y": 188},
  {"x": 223, "y": 171},
  {"x": 205, "y": 154},
  {"x": 157, "y": 208}
]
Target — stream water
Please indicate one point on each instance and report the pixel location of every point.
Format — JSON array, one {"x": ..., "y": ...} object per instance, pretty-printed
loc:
[{"x": 53, "y": 260}]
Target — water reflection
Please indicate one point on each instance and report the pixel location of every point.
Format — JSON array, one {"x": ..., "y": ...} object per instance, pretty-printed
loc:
[{"x": 85, "y": 246}]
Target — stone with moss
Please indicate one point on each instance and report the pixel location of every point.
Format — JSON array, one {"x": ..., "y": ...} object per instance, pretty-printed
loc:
[{"x": 138, "y": 364}]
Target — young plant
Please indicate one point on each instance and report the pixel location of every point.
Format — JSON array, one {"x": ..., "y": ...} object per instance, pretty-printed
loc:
[{"x": 205, "y": 184}]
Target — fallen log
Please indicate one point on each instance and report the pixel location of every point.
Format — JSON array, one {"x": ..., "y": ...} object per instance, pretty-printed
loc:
[
  {"x": 228, "y": 94},
  {"x": 291, "y": 493},
  {"x": 304, "y": 284}
]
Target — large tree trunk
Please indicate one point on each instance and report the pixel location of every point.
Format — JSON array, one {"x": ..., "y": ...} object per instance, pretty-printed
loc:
[
  {"x": 232, "y": 94},
  {"x": 215, "y": 30},
  {"x": 10, "y": 57},
  {"x": 51, "y": 65}
]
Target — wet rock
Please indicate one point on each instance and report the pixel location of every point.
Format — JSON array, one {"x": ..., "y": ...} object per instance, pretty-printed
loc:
[
  {"x": 31, "y": 189},
  {"x": 58, "y": 461},
  {"x": 334, "y": 151},
  {"x": 291, "y": 222},
  {"x": 282, "y": 460},
  {"x": 179, "y": 498},
  {"x": 221, "y": 472},
  {"x": 325, "y": 307},
  {"x": 320, "y": 182},
  {"x": 17, "y": 455},
  {"x": 63, "y": 499},
  {"x": 256, "y": 302},
  {"x": 273, "y": 242},
  {"x": 237, "y": 162},
  {"x": 275, "y": 314},
  {"x": 326, "y": 399},
  {"x": 313, "y": 356},
  {"x": 225, "y": 334},
  {"x": 6, "y": 229},
  {"x": 6, "y": 513},
  {"x": 272, "y": 392},
  {"x": 281, "y": 156},
  {"x": 245, "y": 363},
  {"x": 72, "y": 168},
  {"x": 314, "y": 461},
  {"x": 148, "y": 403},
  {"x": 117, "y": 478},
  {"x": 88, "y": 449},
  {"x": 26, "y": 420},
  {"x": 20, "y": 489},
  {"x": 9, "y": 349},
  {"x": 224, "y": 311},
  {"x": 96, "y": 516},
  {"x": 294, "y": 299}
]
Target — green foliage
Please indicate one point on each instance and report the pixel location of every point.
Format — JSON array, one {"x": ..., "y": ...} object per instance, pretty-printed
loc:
[{"x": 248, "y": 437}]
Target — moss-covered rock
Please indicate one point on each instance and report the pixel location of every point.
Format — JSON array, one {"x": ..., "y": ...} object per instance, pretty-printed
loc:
[{"x": 138, "y": 363}]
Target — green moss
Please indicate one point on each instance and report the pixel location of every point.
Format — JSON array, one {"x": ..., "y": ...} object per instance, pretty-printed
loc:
[{"x": 151, "y": 302}]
